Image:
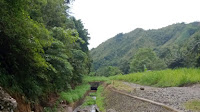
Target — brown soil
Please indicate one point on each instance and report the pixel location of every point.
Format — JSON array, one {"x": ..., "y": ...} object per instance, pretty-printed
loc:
[{"x": 22, "y": 106}]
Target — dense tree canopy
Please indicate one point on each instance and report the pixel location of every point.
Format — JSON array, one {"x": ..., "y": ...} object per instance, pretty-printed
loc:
[
  {"x": 146, "y": 59},
  {"x": 108, "y": 71},
  {"x": 42, "y": 48}
]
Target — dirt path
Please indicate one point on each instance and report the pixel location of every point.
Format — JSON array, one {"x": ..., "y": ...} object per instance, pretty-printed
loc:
[{"x": 171, "y": 96}]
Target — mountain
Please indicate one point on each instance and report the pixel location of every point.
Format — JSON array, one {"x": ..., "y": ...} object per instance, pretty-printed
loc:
[{"x": 171, "y": 44}]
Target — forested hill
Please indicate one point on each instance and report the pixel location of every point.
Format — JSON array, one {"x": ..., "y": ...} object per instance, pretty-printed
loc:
[{"x": 175, "y": 44}]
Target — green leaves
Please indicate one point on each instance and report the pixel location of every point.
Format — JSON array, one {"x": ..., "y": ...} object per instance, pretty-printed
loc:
[
  {"x": 67, "y": 36},
  {"x": 40, "y": 48},
  {"x": 146, "y": 59},
  {"x": 108, "y": 71}
]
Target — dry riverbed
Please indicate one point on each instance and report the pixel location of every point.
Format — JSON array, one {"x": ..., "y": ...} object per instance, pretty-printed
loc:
[{"x": 171, "y": 96}]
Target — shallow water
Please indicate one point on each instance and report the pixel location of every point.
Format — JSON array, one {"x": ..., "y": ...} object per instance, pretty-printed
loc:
[{"x": 91, "y": 108}]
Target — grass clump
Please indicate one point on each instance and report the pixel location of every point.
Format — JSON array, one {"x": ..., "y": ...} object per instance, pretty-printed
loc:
[
  {"x": 193, "y": 105},
  {"x": 100, "y": 99},
  {"x": 93, "y": 94},
  {"x": 89, "y": 101},
  {"x": 164, "y": 78},
  {"x": 87, "y": 79},
  {"x": 76, "y": 94}
]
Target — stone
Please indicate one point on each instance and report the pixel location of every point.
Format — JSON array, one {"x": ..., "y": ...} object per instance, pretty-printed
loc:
[
  {"x": 7, "y": 103},
  {"x": 141, "y": 88},
  {"x": 111, "y": 110}
]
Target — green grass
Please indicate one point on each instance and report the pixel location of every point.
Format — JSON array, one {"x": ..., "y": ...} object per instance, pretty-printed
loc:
[
  {"x": 164, "y": 78},
  {"x": 76, "y": 94},
  {"x": 89, "y": 101},
  {"x": 193, "y": 105},
  {"x": 94, "y": 78},
  {"x": 93, "y": 94},
  {"x": 100, "y": 99}
]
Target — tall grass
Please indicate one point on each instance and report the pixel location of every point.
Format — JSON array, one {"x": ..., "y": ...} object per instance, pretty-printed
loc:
[
  {"x": 100, "y": 99},
  {"x": 76, "y": 94},
  {"x": 164, "y": 78}
]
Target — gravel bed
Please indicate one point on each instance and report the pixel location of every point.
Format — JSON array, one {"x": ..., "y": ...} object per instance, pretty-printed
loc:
[
  {"x": 122, "y": 103},
  {"x": 171, "y": 96}
]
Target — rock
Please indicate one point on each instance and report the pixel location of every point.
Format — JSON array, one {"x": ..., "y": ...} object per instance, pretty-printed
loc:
[
  {"x": 141, "y": 88},
  {"x": 111, "y": 110},
  {"x": 7, "y": 103}
]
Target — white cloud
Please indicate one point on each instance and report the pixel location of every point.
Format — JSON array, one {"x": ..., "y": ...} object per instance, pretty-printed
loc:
[{"x": 106, "y": 18}]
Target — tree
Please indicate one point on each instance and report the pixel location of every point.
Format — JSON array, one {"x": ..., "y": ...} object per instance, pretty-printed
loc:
[
  {"x": 40, "y": 48},
  {"x": 146, "y": 59},
  {"x": 108, "y": 71},
  {"x": 83, "y": 34}
]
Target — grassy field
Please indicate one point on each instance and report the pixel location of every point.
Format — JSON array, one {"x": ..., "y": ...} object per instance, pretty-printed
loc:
[
  {"x": 76, "y": 94},
  {"x": 164, "y": 78}
]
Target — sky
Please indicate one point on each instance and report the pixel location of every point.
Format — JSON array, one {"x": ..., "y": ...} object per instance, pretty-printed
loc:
[{"x": 106, "y": 18}]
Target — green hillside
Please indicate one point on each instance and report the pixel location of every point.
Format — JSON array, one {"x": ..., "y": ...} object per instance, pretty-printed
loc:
[{"x": 176, "y": 45}]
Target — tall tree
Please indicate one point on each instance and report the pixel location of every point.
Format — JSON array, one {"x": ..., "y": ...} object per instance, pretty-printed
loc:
[{"x": 146, "y": 59}]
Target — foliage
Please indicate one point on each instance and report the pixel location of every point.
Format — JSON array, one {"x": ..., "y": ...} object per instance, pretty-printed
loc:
[
  {"x": 172, "y": 44},
  {"x": 22, "y": 42},
  {"x": 164, "y": 78},
  {"x": 42, "y": 50},
  {"x": 146, "y": 59},
  {"x": 76, "y": 94},
  {"x": 87, "y": 79},
  {"x": 100, "y": 99},
  {"x": 83, "y": 34},
  {"x": 79, "y": 62},
  {"x": 108, "y": 71}
]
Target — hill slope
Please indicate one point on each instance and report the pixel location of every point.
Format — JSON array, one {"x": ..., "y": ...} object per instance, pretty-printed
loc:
[{"x": 169, "y": 43}]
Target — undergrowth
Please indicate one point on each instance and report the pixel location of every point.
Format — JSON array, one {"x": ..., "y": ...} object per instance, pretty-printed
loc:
[
  {"x": 164, "y": 78},
  {"x": 100, "y": 99},
  {"x": 76, "y": 94}
]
